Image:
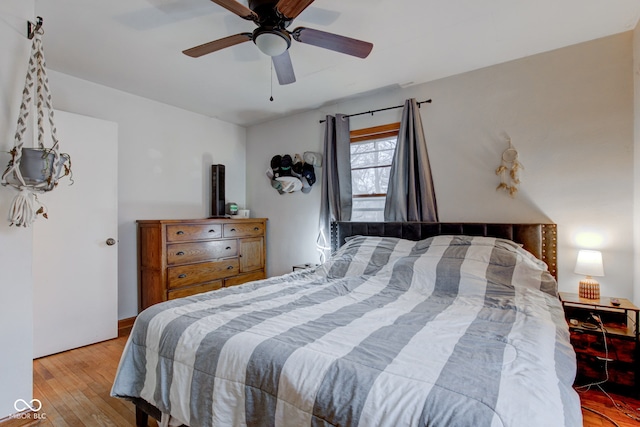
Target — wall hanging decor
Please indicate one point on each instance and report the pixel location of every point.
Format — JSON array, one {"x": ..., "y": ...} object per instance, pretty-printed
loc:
[
  {"x": 37, "y": 169},
  {"x": 288, "y": 175},
  {"x": 509, "y": 170}
]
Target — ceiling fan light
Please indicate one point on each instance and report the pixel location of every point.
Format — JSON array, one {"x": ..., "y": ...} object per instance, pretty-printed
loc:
[{"x": 272, "y": 43}]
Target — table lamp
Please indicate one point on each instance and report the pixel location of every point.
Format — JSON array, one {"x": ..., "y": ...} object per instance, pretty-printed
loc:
[{"x": 589, "y": 264}]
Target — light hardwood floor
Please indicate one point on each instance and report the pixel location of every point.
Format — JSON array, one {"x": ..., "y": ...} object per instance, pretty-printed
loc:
[{"x": 74, "y": 389}]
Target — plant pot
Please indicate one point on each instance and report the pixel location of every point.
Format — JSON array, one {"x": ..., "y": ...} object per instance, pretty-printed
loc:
[{"x": 36, "y": 166}]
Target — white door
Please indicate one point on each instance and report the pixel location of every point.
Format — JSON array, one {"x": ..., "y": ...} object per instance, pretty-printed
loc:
[{"x": 75, "y": 292}]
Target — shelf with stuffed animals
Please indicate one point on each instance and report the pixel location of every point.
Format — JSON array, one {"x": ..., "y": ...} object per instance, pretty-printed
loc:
[{"x": 292, "y": 174}]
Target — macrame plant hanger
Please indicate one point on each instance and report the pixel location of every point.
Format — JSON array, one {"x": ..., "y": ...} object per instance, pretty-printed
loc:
[{"x": 34, "y": 170}]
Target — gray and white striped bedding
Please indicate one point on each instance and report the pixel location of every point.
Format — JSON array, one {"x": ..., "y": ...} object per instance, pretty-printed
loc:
[{"x": 447, "y": 331}]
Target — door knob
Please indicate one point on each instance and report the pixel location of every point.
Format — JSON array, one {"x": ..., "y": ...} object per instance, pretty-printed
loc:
[{"x": 111, "y": 242}]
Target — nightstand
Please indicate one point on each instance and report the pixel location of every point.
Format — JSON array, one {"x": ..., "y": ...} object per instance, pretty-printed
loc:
[
  {"x": 304, "y": 266},
  {"x": 622, "y": 350}
]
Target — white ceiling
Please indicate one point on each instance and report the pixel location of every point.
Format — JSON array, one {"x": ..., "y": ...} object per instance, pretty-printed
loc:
[{"x": 136, "y": 46}]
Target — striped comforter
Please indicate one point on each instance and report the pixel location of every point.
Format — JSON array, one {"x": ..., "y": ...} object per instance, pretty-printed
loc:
[{"x": 447, "y": 331}]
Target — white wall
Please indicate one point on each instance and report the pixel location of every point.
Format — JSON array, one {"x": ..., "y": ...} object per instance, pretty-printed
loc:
[
  {"x": 16, "y": 312},
  {"x": 569, "y": 113},
  {"x": 293, "y": 217},
  {"x": 164, "y": 161}
]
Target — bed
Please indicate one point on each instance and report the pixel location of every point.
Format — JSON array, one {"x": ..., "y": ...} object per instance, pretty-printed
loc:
[{"x": 407, "y": 324}]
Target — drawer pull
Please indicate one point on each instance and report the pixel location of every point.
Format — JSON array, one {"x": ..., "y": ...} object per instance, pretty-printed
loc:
[
  {"x": 180, "y": 233},
  {"x": 604, "y": 359},
  {"x": 182, "y": 276},
  {"x": 212, "y": 231},
  {"x": 256, "y": 228},
  {"x": 230, "y": 267},
  {"x": 233, "y": 229},
  {"x": 227, "y": 248},
  {"x": 179, "y": 253}
]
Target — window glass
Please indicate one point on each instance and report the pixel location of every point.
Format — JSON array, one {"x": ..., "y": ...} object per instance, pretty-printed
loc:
[{"x": 370, "y": 168}]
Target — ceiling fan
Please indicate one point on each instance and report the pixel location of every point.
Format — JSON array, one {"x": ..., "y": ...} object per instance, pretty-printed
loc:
[{"x": 272, "y": 37}]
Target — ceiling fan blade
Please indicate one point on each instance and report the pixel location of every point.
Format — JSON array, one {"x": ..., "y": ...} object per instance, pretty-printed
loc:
[
  {"x": 292, "y": 8},
  {"x": 331, "y": 41},
  {"x": 239, "y": 9},
  {"x": 284, "y": 68},
  {"x": 216, "y": 45}
]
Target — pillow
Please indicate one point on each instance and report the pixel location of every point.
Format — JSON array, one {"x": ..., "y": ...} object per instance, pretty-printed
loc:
[
  {"x": 490, "y": 259},
  {"x": 366, "y": 255},
  {"x": 451, "y": 256}
]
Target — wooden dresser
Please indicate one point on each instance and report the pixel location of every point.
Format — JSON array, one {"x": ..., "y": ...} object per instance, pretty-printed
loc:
[{"x": 178, "y": 258}]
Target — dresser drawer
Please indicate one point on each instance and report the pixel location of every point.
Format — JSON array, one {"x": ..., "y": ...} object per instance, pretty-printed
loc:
[
  {"x": 592, "y": 368},
  {"x": 202, "y": 272},
  {"x": 196, "y": 289},
  {"x": 620, "y": 350},
  {"x": 183, "y": 253},
  {"x": 244, "y": 229},
  {"x": 244, "y": 278},
  {"x": 187, "y": 232}
]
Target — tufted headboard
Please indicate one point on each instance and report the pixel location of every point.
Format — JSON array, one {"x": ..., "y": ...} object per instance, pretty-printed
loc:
[{"x": 539, "y": 239}]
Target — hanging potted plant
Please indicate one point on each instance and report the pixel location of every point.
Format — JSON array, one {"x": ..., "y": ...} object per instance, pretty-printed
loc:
[
  {"x": 34, "y": 170},
  {"x": 38, "y": 167}
]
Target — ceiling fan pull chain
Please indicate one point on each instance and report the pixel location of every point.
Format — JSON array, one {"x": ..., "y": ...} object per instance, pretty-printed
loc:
[{"x": 271, "y": 80}]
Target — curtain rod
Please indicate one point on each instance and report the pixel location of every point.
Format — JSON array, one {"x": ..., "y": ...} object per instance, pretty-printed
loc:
[{"x": 429, "y": 101}]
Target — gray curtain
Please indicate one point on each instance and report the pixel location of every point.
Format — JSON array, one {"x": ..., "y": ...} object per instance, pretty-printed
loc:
[
  {"x": 410, "y": 196},
  {"x": 335, "y": 204}
]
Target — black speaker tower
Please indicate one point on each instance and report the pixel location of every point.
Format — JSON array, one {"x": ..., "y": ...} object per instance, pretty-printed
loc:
[{"x": 217, "y": 191}]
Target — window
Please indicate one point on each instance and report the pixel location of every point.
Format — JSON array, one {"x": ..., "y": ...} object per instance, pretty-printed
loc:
[{"x": 372, "y": 152}]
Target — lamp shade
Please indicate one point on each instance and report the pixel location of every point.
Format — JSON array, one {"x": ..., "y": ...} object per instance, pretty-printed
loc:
[{"x": 589, "y": 263}]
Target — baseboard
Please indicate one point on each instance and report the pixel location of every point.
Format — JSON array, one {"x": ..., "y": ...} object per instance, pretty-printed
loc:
[{"x": 124, "y": 326}]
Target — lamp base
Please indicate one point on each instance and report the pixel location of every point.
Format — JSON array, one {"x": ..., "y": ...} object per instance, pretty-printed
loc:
[{"x": 589, "y": 288}]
